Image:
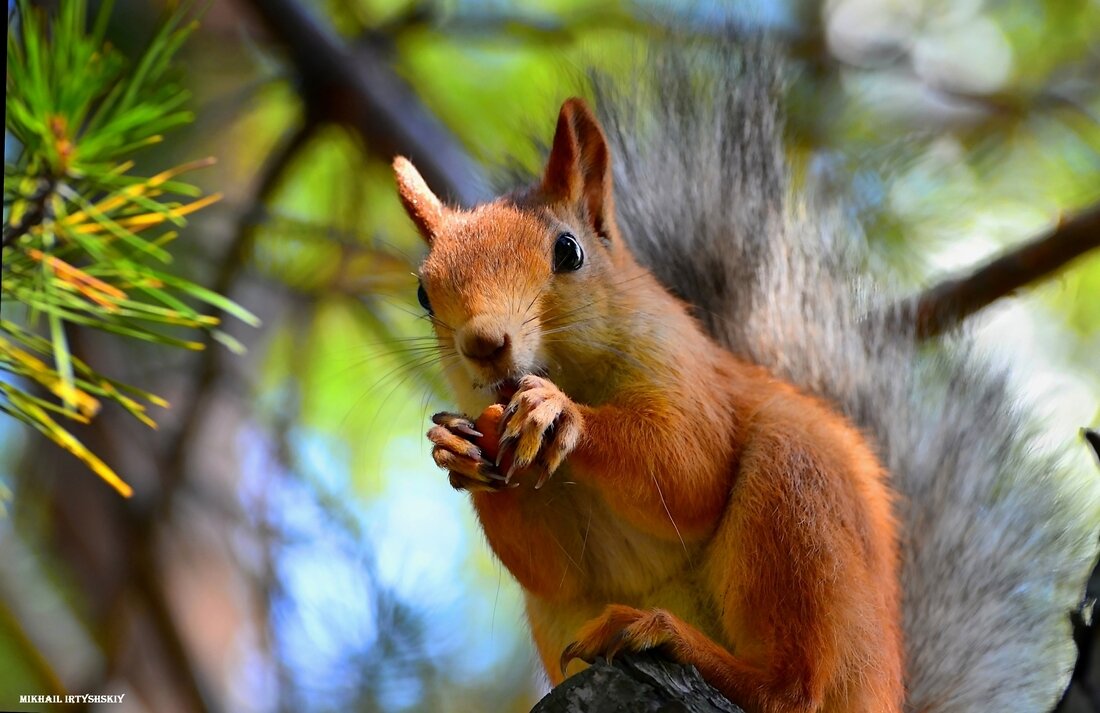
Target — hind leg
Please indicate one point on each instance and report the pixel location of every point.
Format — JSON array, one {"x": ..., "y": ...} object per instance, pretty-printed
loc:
[{"x": 622, "y": 629}]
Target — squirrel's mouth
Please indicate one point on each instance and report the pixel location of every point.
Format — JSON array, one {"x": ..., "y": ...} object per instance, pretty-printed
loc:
[
  {"x": 502, "y": 390},
  {"x": 505, "y": 389}
]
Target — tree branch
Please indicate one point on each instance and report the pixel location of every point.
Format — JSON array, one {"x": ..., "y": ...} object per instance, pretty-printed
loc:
[
  {"x": 637, "y": 683},
  {"x": 943, "y": 306},
  {"x": 230, "y": 268},
  {"x": 361, "y": 91},
  {"x": 527, "y": 26}
]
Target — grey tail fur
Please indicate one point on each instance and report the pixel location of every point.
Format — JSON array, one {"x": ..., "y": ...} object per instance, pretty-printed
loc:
[{"x": 997, "y": 546}]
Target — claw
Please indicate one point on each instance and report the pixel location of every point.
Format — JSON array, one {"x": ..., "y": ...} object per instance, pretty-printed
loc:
[
  {"x": 459, "y": 481},
  {"x": 543, "y": 478},
  {"x": 489, "y": 471},
  {"x": 458, "y": 424},
  {"x": 572, "y": 651},
  {"x": 502, "y": 447},
  {"x": 467, "y": 431},
  {"x": 615, "y": 645}
]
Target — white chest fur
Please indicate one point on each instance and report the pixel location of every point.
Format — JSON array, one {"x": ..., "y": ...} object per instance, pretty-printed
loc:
[{"x": 616, "y": 564}]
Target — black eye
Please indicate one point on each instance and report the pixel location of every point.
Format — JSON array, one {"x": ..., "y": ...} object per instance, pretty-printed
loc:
[
  {"x": 568, "y": 255},
  {"x": 422, "y": 297}
]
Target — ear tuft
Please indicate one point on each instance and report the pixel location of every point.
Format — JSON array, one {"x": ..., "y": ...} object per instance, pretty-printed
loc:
[
  {"x": 579, "y": 168},
  {"x": 425, "y": 210}
]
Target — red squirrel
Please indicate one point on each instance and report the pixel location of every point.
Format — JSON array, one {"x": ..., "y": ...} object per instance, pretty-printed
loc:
[{"x": 651, "y": 490}]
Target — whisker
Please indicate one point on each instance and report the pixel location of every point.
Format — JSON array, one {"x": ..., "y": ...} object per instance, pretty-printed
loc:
[
  {"x": 399, "y": 380},
  {"x": 401, "y": 370},
  {"x": 437, "y": 322},
  {"x": 539, "y": 293},
  {"x": 587, "y": 528},
  {"x": 601, "y": 346},
  {"x": 414, "y": 351},
  {"x": 407, "y": 308},
  {"x": 615, "y": 291},
  {"x": 668, "y": 512}
]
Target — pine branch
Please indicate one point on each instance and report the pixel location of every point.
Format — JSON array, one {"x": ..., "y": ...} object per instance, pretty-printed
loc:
[
  {"x": 36, "y": 213},
  {"x": 85, "y": 237},
  {"x": 943, "y": 306}
]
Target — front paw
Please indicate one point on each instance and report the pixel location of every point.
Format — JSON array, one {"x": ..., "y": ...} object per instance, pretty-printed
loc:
[
  {"x": 455, "y": 452},
  {"x": 540, "y": 427}
]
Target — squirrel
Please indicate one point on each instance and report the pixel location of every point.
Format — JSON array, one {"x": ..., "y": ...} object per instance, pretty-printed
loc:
[{"x": 682, "y": 429}]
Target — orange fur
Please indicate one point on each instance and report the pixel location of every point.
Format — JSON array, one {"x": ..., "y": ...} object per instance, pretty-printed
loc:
[{"x": 692, "y": 502}]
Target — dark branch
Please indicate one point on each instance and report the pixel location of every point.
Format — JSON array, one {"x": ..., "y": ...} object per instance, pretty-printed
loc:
[
  {"x": 943, "y": 306},
  {"x": 361, "y": 90},
  {"x": 230, "y": 268},
  {"x": 526, "y": 26},
  {"x": 636, "y": 683}
]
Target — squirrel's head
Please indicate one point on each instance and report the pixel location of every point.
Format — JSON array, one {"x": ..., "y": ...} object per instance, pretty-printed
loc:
[{"x": 521, "y": 285}]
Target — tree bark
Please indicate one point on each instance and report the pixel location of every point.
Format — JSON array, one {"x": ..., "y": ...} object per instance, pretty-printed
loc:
[{"x": 636, "y": 684}]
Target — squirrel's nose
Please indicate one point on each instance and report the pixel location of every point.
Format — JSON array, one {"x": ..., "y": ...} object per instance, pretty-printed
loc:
[{"x": 483, "y": 341}]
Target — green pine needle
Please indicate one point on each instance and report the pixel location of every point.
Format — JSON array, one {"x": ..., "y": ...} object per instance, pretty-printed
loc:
[{"x": 82, "y": 233}]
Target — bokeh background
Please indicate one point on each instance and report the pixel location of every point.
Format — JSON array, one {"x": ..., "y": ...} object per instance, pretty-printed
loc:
[{"x": 290, "y": 545}]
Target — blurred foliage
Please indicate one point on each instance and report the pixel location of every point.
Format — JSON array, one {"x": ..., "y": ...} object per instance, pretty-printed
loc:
[
  {"x": 950, "y": 129},
  {"x": 84, "y": 236}
]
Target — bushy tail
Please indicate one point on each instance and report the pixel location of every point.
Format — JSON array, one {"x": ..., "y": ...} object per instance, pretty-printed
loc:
[{"x": 996, "y": 549}]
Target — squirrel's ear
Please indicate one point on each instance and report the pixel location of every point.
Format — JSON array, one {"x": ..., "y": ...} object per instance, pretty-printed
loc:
[
  {"x": 426, "y": 211},
  {"x": 579, "y": 168}
]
